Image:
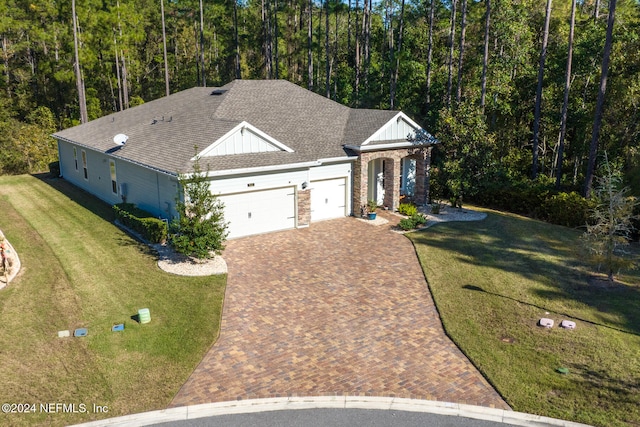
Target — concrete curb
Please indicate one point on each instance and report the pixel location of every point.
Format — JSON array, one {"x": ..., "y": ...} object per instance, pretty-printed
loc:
[{"x": 184, "y": 413}]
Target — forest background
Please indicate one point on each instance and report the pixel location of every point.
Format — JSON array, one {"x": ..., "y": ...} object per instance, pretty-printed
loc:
[{"x": 514, "y": 90}]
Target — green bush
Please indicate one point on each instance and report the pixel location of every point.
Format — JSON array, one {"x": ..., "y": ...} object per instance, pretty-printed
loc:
[
  {"x": 419, "y": 219},
  {"x": 54, "y": 169},
  {"x": 407, "y": 224},
  {"x": 568, "y": 209},
  {"x": 407, "y": 209},
  {"x": 142, "y": 222}
]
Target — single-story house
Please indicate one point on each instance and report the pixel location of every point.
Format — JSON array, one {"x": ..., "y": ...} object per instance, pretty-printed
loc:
[{"x": 277, "y": 155}]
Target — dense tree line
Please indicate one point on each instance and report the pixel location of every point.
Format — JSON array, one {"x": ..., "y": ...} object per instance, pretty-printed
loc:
[{"x": 525, "y": 75}]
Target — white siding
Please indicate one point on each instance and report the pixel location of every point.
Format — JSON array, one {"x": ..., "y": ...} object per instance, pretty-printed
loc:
[
  {"x": 149, "y": 190},
  {"x": 243, "y": 183},
  {"x": 396, "y": 129},
  {"x": 242, "y": 142}
]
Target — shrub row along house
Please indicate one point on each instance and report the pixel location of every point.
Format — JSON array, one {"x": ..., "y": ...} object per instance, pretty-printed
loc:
[{"x": 277, "y": 155}]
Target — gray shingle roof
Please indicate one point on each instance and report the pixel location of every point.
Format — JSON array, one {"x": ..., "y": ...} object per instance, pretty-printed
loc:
[{"x": 163, "y": 133}]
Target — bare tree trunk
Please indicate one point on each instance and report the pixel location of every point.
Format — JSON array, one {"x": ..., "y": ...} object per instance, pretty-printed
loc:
[
  {"x": 266, "y": 28},
  {"x": 309, "y": 45},
  {"x": 597, "y": 121},
  {"x": 536, "y": 120},
  {"x": 565, "y": 103},
  {"x": 202, "y": 68},
  {"x": 164, "y": 49},
  {"x": 5, "y": 57},
  {"x": 125, "y": 82},
  {"x": 235, "y": 39},
  {"x": 430, "y": 51},
  {"x": 335, "y": 56},
  {"x": 349, "y": 30},
  {"x": 275, "y": 39},
  {"x": 79, "y": 81},
  {"x": 394, "y": 76},
  {"x": 120, "y": 105},
  {"x": 452, "y": 33},
  {"x": 485, "y": 58},
  {"x": 327, "y": 83},
  {"x": 357, "y": 62},
  {"x": 596, "y": 10},
  {"x": 463, "y": 30},
  {"x": 367, "y": 44}
]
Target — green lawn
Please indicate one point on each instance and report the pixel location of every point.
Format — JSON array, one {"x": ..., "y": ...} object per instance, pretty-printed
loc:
[
  {"x": 492, "y": 280},
  {"x": 79, "y": 270}
]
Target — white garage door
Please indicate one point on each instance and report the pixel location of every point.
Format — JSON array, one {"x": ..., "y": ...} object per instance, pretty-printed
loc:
[
  {"x": 328, "y": 199},
  {"x": 258, "y": 212}
]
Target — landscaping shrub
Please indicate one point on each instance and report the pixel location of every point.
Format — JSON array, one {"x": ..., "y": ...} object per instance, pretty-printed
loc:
[
  {"x": 407, "y": 224},
  {"x": 150, "y": 228},
  {"x": 419, "y": 219},
  {"x": 54, "y": 169},
  {"x": 412, "y": 222},
  {"x": 407, "y": 209},
  {"x": 568, "y": 209}
]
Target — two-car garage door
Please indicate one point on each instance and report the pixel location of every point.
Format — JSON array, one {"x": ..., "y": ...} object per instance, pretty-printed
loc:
[{"x": 259, "y": 212}]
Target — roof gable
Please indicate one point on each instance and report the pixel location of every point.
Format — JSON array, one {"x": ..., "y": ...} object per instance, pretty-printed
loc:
[
  {"x": 400, "y": 127},
  {"x": 243, "y": 139}
]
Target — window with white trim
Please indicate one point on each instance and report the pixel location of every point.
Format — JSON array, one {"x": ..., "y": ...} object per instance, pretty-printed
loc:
[
  {"x": 114, "y": 180},
  {"x": 84, "y": 164},
  {"x": 75, "y": 157}
]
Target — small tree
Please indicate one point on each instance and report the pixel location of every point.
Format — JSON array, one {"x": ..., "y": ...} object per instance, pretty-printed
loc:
[
  {"x": 200, "y": 229},
  {"x": 608, "y": 235}
]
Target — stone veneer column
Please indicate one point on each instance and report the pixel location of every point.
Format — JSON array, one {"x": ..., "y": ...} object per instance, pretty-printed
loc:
[
  {"x": 360, "y": 182},
  {"x": 304, "y": 208},
  {"x": 420, "y": 193},
  {"x": 392, "y": 180}
]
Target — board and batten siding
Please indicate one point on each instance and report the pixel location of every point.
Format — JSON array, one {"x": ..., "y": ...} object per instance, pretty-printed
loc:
[{"x": 396, "y": 130}]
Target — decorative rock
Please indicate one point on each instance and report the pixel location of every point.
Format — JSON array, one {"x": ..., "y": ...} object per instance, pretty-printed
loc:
[
  {"x": 568, "y": 324},
  {"x": 547, "y": 323},
  {"x": 63, "y": 334}
]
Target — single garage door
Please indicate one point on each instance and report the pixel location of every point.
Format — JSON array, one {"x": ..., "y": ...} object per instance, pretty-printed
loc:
[
  {"x": 328, "y": 199},
  {"x": 258, "y": 212}
]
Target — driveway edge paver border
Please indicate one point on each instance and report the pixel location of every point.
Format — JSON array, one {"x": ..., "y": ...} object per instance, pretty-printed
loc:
[{"x": 184, "y": 413}]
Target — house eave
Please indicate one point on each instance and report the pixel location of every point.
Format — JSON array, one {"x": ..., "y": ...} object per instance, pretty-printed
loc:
[
  {"x": 390, "y": 146},
  {"x": 259, "y": 169},
  {"x": 124, "y": 159}
]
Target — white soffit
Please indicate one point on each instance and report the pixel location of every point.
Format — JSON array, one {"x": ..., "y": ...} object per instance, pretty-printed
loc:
[
  {"x": 243, "y": 139},
  {"x": 389, "y": 131}
]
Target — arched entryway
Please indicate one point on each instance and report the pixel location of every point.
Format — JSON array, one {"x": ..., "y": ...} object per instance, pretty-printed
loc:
[{"x": 390, "y": 176}]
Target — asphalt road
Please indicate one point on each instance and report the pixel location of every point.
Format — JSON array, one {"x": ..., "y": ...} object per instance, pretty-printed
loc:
[{"x": 335, "y": 418}]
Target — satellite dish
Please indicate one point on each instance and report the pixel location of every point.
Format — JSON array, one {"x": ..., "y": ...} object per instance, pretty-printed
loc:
[{"x": 120, "y": 139}]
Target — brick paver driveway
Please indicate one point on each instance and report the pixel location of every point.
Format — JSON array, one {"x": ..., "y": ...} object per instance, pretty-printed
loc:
[{"x": 339, "y": 308}]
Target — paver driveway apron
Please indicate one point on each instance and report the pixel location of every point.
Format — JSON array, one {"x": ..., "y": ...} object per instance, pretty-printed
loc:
[{"x": 339, "y": 308}]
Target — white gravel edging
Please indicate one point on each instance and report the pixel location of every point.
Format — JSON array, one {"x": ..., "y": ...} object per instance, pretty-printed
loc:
[{"x": 175, "y": 263}]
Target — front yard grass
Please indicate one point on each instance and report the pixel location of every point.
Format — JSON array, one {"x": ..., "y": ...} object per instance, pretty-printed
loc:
[
  {"x": 493, "y": 280},
  {"x": 79, "y": 270}
]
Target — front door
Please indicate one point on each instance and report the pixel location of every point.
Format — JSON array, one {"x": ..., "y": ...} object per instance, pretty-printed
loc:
[{"x": 376, "y": 181}]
